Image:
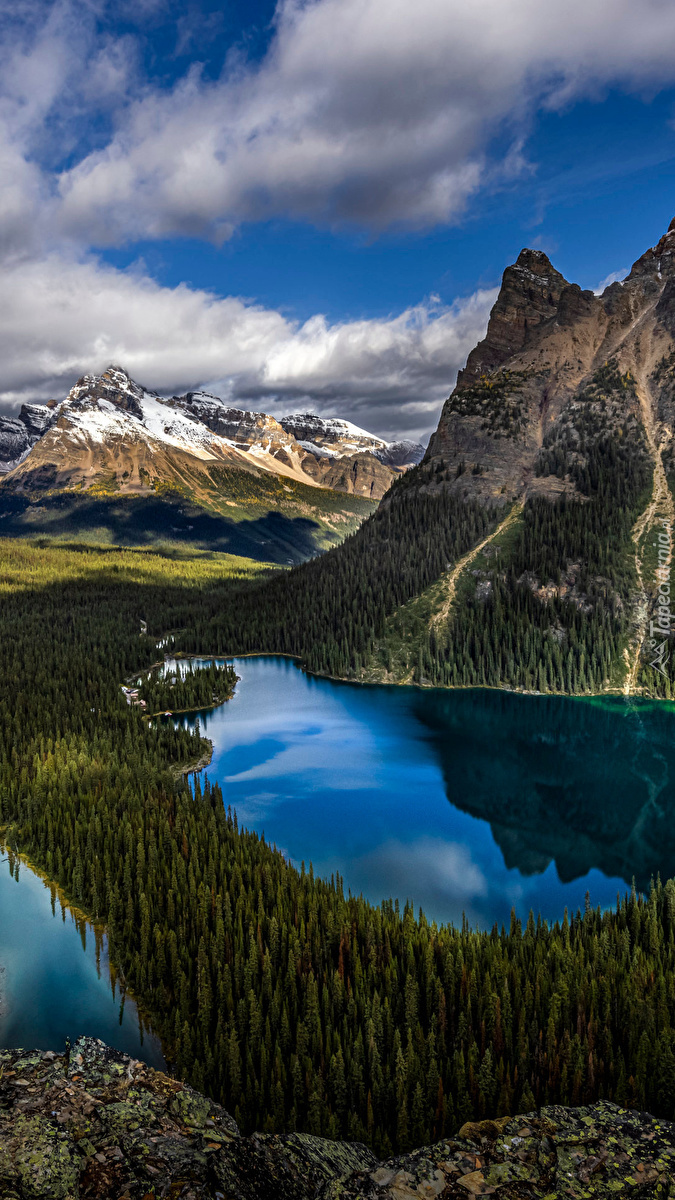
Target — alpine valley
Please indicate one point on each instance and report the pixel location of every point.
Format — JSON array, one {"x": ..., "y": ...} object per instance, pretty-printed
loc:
[{"x": 117, "y": 462}]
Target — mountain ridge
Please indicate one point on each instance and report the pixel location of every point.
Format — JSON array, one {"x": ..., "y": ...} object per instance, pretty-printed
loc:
[
  {"x": 114, "y": 461},
  {"x": 550, "y": 337},
  {"x": 110, "y": 412}
]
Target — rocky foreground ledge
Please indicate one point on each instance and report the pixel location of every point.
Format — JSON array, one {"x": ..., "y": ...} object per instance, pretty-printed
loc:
[{"x": 98, "y": 1124}]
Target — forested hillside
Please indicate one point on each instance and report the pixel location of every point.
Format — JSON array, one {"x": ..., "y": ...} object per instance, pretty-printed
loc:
[
  {"x": 565, "y": 410},
  {"x": 550, "y": 608},
  {"x": 295, "y": 1004},
  {"x": 331, "y": 611},
  {"x": 516, "y": 554},
  {"x": 546, "y": 608}
]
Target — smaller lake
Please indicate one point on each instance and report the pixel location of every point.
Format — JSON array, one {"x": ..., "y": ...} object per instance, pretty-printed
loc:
[
  {"x": 55, "y": 977},
  {"x": 468, "y": 801}
]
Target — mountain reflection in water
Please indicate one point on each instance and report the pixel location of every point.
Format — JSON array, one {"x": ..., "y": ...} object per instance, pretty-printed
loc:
[{"x": 581, "y": 783}]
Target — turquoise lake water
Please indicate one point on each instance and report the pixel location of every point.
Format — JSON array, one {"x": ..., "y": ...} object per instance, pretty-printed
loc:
[
  {"x": 462, "y": 801},
  {"x": 55, "y": 980}
]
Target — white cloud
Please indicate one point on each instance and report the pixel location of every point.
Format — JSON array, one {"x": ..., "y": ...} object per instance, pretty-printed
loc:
[
  {"x": 374, "y": 112},
  {"x": 613, "y": 277},
  {"x": 366, "y": 111},
  {"x": 60, "y": 317},
  {"x": 437, "y": 874}
]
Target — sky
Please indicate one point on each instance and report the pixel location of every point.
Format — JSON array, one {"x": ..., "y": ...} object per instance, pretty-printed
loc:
[{"x": 308, "y": 205}]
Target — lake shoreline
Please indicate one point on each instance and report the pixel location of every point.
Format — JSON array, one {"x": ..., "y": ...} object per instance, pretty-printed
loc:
[
  {"x": 99, "y": 929},
  {"x": 616, "y": 693},
  {"x": 485, "y": 765},
  {"x": 467, "y": 805}
]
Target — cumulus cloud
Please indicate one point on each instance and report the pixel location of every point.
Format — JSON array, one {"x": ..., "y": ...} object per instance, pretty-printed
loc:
[
  {"x": 367, "y": 111},
  {"x": 373, "y": 112},
  {"x": 61, "y": 317}
]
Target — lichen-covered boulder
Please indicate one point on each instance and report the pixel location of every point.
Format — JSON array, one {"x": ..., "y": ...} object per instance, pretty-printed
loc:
[
  {"x": 557, "y": 1154},
  {"x": 98, "y": 1125}
]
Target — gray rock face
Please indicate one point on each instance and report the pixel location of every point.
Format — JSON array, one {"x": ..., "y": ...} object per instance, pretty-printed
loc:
[
  {"x": 331, "y": 437},
  {"x": 19, "y": 434},
  {"x": 36, "y": 417},
  {"x": 401, "y": 454},
  {"x": 530, "y": 293},
  {"x": 307, "y": 427},
  {"x": 240, "y": 425},
  {"x": 114, "y": 386},
  {"x": 526, "y": 383}
]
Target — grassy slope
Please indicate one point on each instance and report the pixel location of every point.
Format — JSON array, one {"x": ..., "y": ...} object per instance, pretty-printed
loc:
[
  {"x": 30, "y": 566},
  {"x": 406, "y": 631}
]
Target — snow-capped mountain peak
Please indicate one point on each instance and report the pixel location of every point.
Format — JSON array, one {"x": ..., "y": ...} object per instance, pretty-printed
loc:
[{"x": 110, "y": 427}]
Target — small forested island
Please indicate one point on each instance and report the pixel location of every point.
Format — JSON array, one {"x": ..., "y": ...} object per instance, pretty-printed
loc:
[{"x": 179, "y": 691}]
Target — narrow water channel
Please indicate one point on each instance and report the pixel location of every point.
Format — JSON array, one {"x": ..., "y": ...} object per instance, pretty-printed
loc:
[{"x": 55, "y": 976}]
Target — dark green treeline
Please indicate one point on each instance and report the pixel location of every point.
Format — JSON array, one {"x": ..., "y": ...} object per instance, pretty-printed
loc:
[{"x": 331, "y": 611}]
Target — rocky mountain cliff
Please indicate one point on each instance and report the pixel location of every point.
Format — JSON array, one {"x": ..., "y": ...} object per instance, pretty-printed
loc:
[
  {"x": 561, "y": 427},
  {"x": 532, "y": 546},
  {"x": 333, "y": 438},
  {"x": 94, "y": 1124},
  {"x": 18, "y": 434},
  {"x": 523, "y": 406}
]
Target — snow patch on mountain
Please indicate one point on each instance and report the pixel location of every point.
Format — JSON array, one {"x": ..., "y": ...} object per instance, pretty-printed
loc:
[
  {"x": 308, "y": 426},
  {"x": 174, "y": 427},
  {"x": 322, "y": 451}
]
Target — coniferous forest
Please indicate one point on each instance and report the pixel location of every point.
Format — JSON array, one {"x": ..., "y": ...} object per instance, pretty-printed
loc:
[
  {"x": 278, "y": 380},
  {"x": 330, "y": 611},
  {"x": 294, "y": 1003}
]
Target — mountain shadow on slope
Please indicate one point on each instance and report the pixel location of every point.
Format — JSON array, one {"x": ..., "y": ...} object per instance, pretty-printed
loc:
[{"x": 150, "y": 521}]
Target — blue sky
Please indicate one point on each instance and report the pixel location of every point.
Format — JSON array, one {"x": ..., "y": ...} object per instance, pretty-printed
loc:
[{"x": 309, "y": 205}]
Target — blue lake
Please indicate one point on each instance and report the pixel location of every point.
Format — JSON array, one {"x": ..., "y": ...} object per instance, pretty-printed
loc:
[
  {"x": 464, "y": 802},
  {"x": 55, "y": 978}
]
